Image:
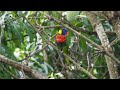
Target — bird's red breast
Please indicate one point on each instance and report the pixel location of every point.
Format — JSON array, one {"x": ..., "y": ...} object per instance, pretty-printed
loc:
[{"x": 60, "y": 38}]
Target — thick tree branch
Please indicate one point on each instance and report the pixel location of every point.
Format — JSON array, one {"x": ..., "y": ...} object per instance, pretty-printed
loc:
[
  {"x": 77, "y": 28},
  {"x": 105, "y": 43},
  {"x": 30, "y": 72},
  {"x": 113, "y": 18}
]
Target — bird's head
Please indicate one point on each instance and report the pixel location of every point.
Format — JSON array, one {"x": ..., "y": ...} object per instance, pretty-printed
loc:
[{"x": 63, "y": 31}]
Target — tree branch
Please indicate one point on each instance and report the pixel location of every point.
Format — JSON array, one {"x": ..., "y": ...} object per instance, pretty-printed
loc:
[
  {"x": 30, "y": 72},
  {"x": 77, "y": 28}
]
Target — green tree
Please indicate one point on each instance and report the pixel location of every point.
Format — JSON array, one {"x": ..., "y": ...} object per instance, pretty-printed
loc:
[{"x": 28, "y": 49}]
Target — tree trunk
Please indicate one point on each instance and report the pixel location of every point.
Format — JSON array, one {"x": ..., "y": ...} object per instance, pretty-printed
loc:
[{"x": 105, "y": 43}]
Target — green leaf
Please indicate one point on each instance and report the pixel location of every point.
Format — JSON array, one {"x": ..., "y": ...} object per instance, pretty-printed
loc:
[
  {"x": 45, "y": 68},
  {"x": 68, "y": 38},
  {"x": 49, "y": 66},
  {"x": 18, "y": 33},
  {"x": 29, "y": 30},
  {"x": 79, "y": 24},
  {"x": 53, "y": 32},
  {"x": 83, "y": 45},
  {"x": 71, "y": 15},
  {"x": 8, "y": 31},
  {"x": 7, "y": 52}
]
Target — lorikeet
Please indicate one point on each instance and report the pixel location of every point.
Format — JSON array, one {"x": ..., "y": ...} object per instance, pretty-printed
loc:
[
  {"x": 61, "y": 37},
  {"x": 60, "y": 40}
]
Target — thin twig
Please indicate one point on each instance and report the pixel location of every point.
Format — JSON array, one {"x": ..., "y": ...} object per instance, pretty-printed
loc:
[
  {"x": 95, "y": 62},
  {"x": 104, "y": 74},
  {"x": 38, "y": 50},
  {"x": 78, "y": 66},
  {"x": 8, "y": 71},
  {"x": 114, "y": 41}
]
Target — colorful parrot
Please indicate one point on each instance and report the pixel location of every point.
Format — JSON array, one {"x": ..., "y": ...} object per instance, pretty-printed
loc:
[
  {"x": 61, "y": 36},
  {"x": 60, "y": 40}
]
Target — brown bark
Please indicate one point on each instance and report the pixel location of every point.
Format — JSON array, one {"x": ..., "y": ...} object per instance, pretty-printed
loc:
[
  {"x": 113, "y": 17},
  {"x": 111, "y": 64},
  {"x": 30, "y": 72}
]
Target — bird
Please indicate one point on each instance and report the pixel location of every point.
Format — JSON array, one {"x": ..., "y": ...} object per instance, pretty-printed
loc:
[
  {"x": 61, "y": 36},
  {"x": 60, "y": 40}
]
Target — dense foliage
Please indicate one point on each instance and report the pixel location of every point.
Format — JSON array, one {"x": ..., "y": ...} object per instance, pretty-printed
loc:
[{"x": 28, "y": 38}]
